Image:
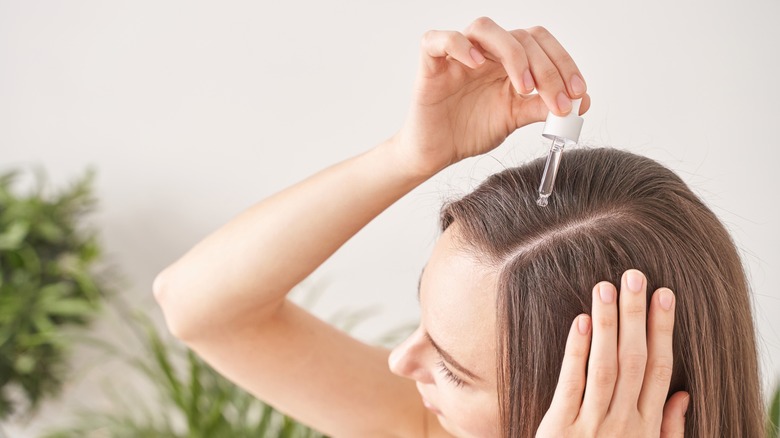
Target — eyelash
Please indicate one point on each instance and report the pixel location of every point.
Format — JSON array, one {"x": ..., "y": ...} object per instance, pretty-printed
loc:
[{"x": 458, "y": 382}]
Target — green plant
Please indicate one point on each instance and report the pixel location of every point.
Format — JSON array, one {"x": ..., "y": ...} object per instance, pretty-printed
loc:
[
  {"x": 773, "y": 414},
  {"x": 47, "y": 285},
  {"x": 195, "y": 401},
  {"x": 198, "y": 403}
]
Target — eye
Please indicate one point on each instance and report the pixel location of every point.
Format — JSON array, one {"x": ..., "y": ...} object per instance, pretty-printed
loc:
[{"x": 458, "y": 382}]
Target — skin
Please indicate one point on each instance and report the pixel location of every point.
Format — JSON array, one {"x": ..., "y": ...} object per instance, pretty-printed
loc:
[
  {"x": 457, "y": 301},
  {"x": 226, "y": 298}
]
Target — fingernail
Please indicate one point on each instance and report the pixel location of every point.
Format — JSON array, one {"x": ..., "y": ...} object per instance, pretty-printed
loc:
[
  {"x": 476, "y": 56},
  {"x": 685, "y": 405},
  {"x": 606, "y": 293},
  {"x": 583, "y": 324},
  {"x": 634, "y": 280},
  {"x": 577, "y": 84},
  {"x": 564, "y": 103},
  {"x": 528, "y": 81},
  {"x": 665, "y": 298}
]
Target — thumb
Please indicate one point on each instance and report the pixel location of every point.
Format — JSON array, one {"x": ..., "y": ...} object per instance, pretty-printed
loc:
[
  {"x": 532, "y": 109},
  {"x": 673, "y": 424},
  {"x": 529, "y": 109}
]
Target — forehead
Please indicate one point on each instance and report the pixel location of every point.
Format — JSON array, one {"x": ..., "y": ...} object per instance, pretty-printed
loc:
[{"x": 457, "y": 301}]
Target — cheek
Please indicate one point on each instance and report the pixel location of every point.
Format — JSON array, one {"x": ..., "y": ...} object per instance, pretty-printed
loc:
[{"x": 469, "y": 414}]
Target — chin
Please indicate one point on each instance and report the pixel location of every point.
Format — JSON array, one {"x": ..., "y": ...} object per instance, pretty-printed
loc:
[
  {"x": 458, "y": 432},
  {"x": 454, "y": 430}
]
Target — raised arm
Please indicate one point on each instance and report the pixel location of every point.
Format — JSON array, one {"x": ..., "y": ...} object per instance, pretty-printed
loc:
[
  {"x": 226, "y": 297},
  {"x": 244, "y": 270}
]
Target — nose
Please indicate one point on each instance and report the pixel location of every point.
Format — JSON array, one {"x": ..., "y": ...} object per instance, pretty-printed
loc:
[{"x": 407, "y": 359}]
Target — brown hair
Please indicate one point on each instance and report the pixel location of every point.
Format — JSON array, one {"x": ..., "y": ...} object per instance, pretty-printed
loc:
[{"x": 610, "y": 211}]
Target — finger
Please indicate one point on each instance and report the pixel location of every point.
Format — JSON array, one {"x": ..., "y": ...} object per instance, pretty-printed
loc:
[
  {"x": 436, "y": 45},
  {"x": 632, "y": 343},
  {"x": 658, "y": 374},
  {"x": 585, "y": 104},
  {"x": 567, "y": 399},
  {"x": 533, "y": 109},
  {"x": 603, "y": 365},
  {"x": 500, "y": 43},
  {"x": 673, "y": 425},
  {"x": 547, "y": 78},
  {"x": 572, "y": 77}
]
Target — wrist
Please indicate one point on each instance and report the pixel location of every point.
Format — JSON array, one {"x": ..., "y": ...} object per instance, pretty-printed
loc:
[{"x": 400, "y": 155}]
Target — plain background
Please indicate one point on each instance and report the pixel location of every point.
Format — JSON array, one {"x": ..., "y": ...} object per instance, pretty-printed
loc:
[{"x": 193, "y": 111}]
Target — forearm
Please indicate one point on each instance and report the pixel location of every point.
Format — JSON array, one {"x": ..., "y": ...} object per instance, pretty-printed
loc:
[{"x": 247, "y": 266}]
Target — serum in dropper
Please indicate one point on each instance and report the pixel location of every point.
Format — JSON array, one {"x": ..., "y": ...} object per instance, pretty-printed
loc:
[{"x": 563, "y": 131}]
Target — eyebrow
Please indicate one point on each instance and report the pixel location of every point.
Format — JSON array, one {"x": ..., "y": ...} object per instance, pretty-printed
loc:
[
  {"x": 443, "y": 353},
  {"x": 446, "y": 356}
]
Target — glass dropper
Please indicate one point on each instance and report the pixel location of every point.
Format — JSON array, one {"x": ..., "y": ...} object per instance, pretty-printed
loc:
[
  {"x": 563, "y": 131},
  {"x": 550, "y": 171}
]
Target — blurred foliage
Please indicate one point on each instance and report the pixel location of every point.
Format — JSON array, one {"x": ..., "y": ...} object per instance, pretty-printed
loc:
[
  {"x": 773, "y": 414},
  {"x": 194, "y": 400},
  {"x": 198, "y": 403},
  {"x": 47, "y": 284}
]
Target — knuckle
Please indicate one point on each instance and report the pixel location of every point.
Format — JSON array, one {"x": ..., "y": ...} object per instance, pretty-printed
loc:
[
  {"x": 663, "y": 327},
  {"x": 606, "y": 322},
  {"x": 577, "y": 352},
  {"x": 521, "y": 35},
  {"x": 451, "y": 39},
  {"x": 662, "y": 371},
  {"x": 549, "y": 75},
  {"x": 538, "y": 31},
  {"x": 604, "y": 375},
  {"x": 481, "y": 23},
  {"x": 432, "y": 38},
  {"x": 427, "y": 37},
  {"x": 572, "y": 387},
  {"x": 634, "y": 310},
  {"x": 616, "y": 430},
  {"x": 633, "y": 364},
  {"x": 511, "y": 58},
  {"x": 564, "y": 59}
]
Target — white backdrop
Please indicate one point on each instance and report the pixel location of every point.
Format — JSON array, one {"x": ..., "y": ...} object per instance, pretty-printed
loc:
[{"x": 193, "y": 111}]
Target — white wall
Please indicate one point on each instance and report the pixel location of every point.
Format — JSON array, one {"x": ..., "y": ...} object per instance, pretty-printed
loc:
[{"x": 193, "y": 111}]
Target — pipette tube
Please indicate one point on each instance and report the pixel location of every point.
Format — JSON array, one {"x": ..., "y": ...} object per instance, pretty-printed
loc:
[
  {"x": 550, "y": 171},
  {"x": 563, "y": 131}
]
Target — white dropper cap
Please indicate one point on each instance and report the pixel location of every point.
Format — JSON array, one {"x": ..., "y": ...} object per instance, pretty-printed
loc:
[{"x": 567, "y": 127}]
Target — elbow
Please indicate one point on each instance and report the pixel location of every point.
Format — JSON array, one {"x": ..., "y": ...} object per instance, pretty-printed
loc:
[
  {"x": 158, "y": 287},
  {"x": 164, "y": 295}
]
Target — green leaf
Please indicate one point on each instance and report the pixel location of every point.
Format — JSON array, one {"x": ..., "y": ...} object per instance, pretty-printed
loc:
[
  {"x": 87, "y": 285},
  {"x": 49, "y": 231},
  {"x": 24, "y": 364},
  {"x": 54, "y": 291},
  {"x": 29, "y": 258},
  {"x": 773, "y": 417},
  {"x": 39, "y": 297},
  {"x": 44, "y": 325},
  {"x": 70, "y": 307},
  {"x": 90, "y": 250},
  {"x": 7, "y": 178},
  {"x": 193, "y": 411},
  {"x": 13, "y": 237}
]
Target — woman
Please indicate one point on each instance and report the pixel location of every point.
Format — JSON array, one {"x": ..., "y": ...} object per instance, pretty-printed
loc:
[{"x": 503, "y": 291}]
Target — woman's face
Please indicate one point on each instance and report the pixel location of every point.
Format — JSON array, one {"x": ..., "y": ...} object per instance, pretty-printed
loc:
[{"x": 452, "y": 354}]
